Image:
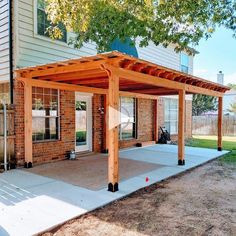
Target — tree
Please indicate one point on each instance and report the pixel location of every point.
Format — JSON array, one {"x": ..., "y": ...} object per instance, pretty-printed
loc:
[
  {"x": 203, "y": 103},
  {"x": 179, "y": 22},
  {"x": 233, "y": 107},
  {"x": 232, "y": 86}
]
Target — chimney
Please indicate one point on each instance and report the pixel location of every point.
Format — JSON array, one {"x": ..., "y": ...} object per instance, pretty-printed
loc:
[{"x": 220, "y": 78}]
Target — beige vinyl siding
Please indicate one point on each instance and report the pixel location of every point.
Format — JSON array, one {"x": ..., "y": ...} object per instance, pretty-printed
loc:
[
  {"x": 163, "y": 56},
  {"x": 4, "y": 42},
  {"x": 160, "y": 55}
]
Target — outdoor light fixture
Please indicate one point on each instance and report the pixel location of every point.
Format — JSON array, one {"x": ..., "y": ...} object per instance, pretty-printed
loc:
[{"x": 101, "y": 110}]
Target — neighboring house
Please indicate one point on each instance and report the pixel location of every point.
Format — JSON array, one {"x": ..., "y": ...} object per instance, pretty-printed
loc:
[
  {"x": 64, "y": 120},
  {"x": 229, "y": 99}
]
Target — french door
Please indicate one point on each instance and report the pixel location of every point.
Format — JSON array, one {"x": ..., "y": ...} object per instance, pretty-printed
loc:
[{"x": 83, "y": 122}]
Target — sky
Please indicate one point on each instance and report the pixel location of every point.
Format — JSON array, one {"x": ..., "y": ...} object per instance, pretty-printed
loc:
[{"x": 215, "y": 54}]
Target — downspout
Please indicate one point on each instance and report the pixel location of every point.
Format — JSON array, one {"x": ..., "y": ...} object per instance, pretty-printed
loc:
[
  {"x": 11, "y": 49},
  {"x": 5, "y": 135}
]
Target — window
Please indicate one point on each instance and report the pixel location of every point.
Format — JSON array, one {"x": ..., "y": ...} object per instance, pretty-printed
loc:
[
  {"x": 45, "y": 117},
  {"x": 43, "y": 23},
  {"x": 184, "y": 62},
  {"x": 128, "y": 118},
  {"x": 171, "y": 115}
]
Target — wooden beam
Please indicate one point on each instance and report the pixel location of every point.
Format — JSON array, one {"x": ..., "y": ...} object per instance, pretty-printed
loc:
[
  {"x": 181, "y": 128},
  {"x": 91, "y": 65},
  {"x": 155, "y": 120},
  {"x": 75, "y": 76},
  {"x": 137, "y": 95},
  {"x": 220, "y": 123},
  {"x": 64, "y": 86},
  {"x": 113, "y": 145},
  {"x": 79, "y": 74},
  {"x": 28, "y": 123},
  {"x": 78, "y": 88},
  {"x": 160, "y": 82}
]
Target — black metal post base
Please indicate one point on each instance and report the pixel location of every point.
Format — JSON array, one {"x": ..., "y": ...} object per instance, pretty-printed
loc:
[
  {"x": 219, "y": 149},
  {"x": 113, "y": 187},
  {"x": 28, "y": 165},
  {"x": 105, "y": 151},
  {"x": 181, "y": 162}
]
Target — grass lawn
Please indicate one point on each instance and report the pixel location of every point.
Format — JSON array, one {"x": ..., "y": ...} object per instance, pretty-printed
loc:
[{"x": 229, "y": 143}]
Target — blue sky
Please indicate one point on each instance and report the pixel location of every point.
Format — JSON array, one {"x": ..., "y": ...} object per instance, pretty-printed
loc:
[{"x": 217, "y": 53}]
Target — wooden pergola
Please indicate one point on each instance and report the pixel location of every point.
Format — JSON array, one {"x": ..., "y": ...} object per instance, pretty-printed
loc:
[{"x": 116, "y": 74}]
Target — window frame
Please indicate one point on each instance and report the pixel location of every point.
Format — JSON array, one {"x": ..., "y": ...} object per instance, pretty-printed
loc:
[
  {"x": 44, "y": 37},
  {"x": 169, "y": 110},
  {"x": 58, "y": 118},
  {"x": 134, "y": 123}
]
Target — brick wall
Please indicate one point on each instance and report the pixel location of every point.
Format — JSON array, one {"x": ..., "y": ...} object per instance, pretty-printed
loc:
[
  {"x": 46, "y": 151},
  {"x": 19, "y": 122},
  {"x": 56, "y": 150},
  {"x": 98, "y": 119}
]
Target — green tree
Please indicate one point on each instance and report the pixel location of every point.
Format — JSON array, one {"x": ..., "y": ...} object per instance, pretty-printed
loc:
[
  {"x": 203, "y": 103},
  {"x": 178, "y": 22},
  {"x": 233, "y": 107},
  {"x": 232, "y": 86}
]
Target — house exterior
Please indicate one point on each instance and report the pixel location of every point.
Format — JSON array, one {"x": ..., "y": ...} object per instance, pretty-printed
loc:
[
  {"x": 65, "y": 120},
  {"x": 229, "y": 99}
]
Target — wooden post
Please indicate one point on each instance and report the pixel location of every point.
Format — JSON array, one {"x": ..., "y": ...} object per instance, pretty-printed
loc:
[
  {"x": 220, "y": 121},
  {"x": 113, "y": 145},
  {"x": 155, "y": 121},
  {"x": 28, "y": 123},
  {"x": 181, "y": 135}
]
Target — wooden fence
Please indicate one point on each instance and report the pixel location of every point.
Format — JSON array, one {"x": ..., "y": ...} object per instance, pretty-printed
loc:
[
  {"x": 207, "y": 125},
  {"x": 10, "y": 136}
]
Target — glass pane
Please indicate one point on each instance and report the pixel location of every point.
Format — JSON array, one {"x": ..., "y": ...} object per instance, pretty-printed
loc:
[
  {"x": 127, "y": 130},
  {"x": 173, "y": 103},
  {"x": 173, "y": 127},
  {"x": 127, "y": 109},
  {"x": 41, "y": 22},
  {"x": 167, "y": 126},
  {"x": 184, "y": 69},
  {"x": 41, "y": 4},
  {"x": 81, "y": 123},
  {"x": 38, "y": 128},
  {"x": 184, "y": 59}
]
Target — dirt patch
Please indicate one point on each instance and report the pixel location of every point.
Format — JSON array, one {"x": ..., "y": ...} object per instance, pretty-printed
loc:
[{"x": 200, "y": 202}]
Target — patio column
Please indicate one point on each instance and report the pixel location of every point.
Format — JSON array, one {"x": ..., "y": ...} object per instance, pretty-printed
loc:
[
  {"x": 113, "y": 123},
  {"x": 181, "y": 128},
  {"x": 220, "y": 121},
  {"x": 28, "y": 123},
  {"x": 156, "y": 127}
]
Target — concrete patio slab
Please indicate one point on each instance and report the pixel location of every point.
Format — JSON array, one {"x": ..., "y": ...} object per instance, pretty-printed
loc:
[
  {"x": 91, "y": 170},
  {"x": 30, "y": 203}
]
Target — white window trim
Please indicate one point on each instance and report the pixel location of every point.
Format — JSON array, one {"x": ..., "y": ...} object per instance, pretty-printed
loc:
[{"x": 45, "y": 38}]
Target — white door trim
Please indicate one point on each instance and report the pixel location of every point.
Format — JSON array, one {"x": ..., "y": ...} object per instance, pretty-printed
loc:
[{"x": 88, "y": 98}]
